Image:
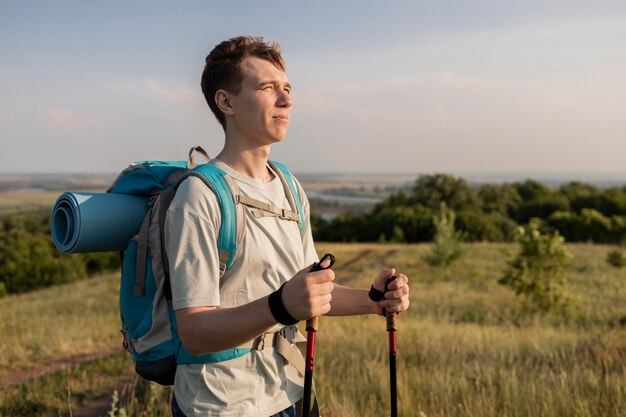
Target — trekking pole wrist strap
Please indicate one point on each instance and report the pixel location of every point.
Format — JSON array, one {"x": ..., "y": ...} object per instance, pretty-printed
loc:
[
  {"x": 376, "y": 295},
  {"x": 277, "y": 308}
]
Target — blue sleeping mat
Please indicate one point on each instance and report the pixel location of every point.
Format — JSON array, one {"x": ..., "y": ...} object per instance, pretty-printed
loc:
[{"x": 96, "y": 222}]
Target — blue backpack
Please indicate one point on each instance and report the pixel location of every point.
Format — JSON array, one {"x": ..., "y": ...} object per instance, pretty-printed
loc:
[{"x": 148, "y": 319}]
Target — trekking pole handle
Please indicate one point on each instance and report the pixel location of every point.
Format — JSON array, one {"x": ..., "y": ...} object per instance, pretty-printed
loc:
[
  {"x": 313, "y": 323},
  {"x": 392, "y": 326}
]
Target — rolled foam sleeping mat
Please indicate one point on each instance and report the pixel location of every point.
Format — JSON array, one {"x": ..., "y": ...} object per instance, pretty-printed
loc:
[{"x": 96, "y": 222}]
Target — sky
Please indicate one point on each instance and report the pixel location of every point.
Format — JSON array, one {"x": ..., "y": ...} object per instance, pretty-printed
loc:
[{"x": 378, "y": 87}]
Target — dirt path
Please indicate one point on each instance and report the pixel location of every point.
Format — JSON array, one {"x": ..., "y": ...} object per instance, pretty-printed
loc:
[
  {"x": 347, "y": 264},
  {"x": 377, "y": 259},
  {"x": 16, "y": 377},
  {"x": 97, "y": 408}
]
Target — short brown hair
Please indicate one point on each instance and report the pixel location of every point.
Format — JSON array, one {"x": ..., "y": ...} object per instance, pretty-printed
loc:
[{"x": 223, "y": 67}]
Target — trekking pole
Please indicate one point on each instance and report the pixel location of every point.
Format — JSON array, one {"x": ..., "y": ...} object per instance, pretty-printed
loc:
[
  {"x": 391, "y": 330},
  {"x": 311, "y": 329}
]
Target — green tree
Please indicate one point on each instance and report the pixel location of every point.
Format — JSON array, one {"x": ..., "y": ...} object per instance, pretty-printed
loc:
[
  {"x": 580, "y": 195},
  {"x": 446, "y": 246},
  {"x": 29, "y": 259},
  {"x": 538, "y": 201},
  {"x": 618, "y": 230},
  {"x": 503, "y": 199},
  {"x": 612, "y": 202},
  {"x": 588, "y": 226},
  {"x": 537, "y": 274},
  {"x": 432, "y": 190},
  {"x": 414, "y": 222},
  {"x": 479, "y": 226}
]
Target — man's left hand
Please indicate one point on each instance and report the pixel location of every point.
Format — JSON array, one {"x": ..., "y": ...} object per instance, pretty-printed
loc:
[{"x": 397, "y": 297}]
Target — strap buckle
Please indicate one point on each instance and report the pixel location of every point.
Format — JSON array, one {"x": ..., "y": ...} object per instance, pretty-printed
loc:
[
  {"x": 289, "y": 333},
  {"x": 260, "y": 342}
]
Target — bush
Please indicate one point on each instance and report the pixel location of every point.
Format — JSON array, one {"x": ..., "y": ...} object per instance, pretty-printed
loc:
[
  {"x": 588, "y": 226},
  {"x": 537, "y": 274},
  {"x": 447, "y": 242},
  {"x": 479, "y": 226},
  {"x": 402, "y": 224},
  {"x": 616, "y": 258},
  {"x": 29, "y": 260}
]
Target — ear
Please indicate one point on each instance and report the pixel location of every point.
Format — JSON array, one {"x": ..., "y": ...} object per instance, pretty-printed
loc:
[{"x": 223, "y": 101}]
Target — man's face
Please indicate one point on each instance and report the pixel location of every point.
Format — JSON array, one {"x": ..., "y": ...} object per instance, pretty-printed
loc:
[{"x": 263, "y": 106}]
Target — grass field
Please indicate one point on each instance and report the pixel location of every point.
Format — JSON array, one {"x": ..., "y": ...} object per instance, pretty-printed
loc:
[
  {"x": 464, "y": 347},
  {"x": 12, "y": 202}
]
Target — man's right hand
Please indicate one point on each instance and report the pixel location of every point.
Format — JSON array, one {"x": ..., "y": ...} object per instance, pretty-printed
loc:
[{"x": 308, "y": 294}]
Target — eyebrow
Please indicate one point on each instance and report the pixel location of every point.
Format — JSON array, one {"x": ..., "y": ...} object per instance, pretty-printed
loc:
[{"x": 274, "y": 82}]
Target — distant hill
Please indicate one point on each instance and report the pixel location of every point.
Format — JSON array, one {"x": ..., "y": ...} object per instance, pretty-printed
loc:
[
  {"x": 318, "y": 181},
  {"x": 55, "y": 182}
]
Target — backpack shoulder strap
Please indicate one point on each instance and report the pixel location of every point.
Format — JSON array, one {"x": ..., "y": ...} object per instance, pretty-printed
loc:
[
  {"x": 232, "y": 224},
  {"x": 290, "y": 190}
]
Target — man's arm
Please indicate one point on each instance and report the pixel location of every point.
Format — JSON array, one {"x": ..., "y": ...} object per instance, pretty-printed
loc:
[
  {"x": 351, "y": 301},
  {"x": 210, "y": 329}
]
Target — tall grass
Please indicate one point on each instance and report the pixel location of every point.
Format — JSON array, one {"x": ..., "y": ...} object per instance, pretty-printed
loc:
[
  {"x": 464, "y": 348},
  {"x": 59, "y": 323}
]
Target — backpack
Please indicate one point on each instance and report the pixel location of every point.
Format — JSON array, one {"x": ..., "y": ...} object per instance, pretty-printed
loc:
[{"x": 148, "y": 320}]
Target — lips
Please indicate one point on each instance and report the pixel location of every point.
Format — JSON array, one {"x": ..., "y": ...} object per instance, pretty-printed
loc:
[{"x": 281, "y": 118}]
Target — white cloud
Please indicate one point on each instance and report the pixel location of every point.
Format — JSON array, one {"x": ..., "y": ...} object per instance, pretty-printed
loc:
[
  {"x": 472, "y": 84},
  {"x": 6, "y": 115},
  {"x": 172, "y": 95},
  {"x": 165, "y": 91},
  {"x": 63, "y": 120}
]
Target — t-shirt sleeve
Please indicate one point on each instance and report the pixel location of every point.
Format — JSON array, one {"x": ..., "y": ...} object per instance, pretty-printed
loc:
[{"x": 191, "y": 229}]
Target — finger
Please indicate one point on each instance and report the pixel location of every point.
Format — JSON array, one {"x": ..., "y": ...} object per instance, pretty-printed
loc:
[
  {"x": 400, "y": 281},
  {"x": 321, "y": 305},
  {"x": 379, "y": 282},
  {"x": 394, "y": 306},
  {"x": 399, "y": 293},
  {"x": 322, "y": 289},
  {"x": 325, "y": 275},
  {"x": 306, "y": 269},
  {"x": 324, "y": 309},
  {"x": 326, "y": 263},
  {"x": 324, "y": 299}
]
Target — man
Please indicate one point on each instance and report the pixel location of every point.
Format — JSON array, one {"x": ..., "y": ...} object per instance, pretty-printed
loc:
[{"x": 245, "y": 85}]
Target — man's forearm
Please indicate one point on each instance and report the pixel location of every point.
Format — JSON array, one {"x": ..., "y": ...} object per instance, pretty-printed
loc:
[
  {"x": 208, "y": 329},
  {"x": 350, "y": 301}
]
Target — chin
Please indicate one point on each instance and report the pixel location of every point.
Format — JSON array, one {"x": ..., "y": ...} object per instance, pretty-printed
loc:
[{"x": 278, "y": 137}]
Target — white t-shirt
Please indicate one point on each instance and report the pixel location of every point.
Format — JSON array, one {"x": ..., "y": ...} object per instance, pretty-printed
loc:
[{"x": 272, "y": 251}]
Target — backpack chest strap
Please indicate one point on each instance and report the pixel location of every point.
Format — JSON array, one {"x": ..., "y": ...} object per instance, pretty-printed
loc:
[{"x": 262, "y": 209}]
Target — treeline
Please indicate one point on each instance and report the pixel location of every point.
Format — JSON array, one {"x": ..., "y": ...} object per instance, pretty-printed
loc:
[
  {"x": 492, "y": 212},
  {"x": 580, "y": 212},
  {"x": 29, "y": 259}
]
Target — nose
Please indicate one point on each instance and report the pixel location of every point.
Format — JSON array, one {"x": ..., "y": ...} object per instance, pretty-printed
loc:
[{"x": 284, "y": 99}]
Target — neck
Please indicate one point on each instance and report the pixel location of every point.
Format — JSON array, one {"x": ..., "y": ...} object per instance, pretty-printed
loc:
[{"x": 248, "y": 160}]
